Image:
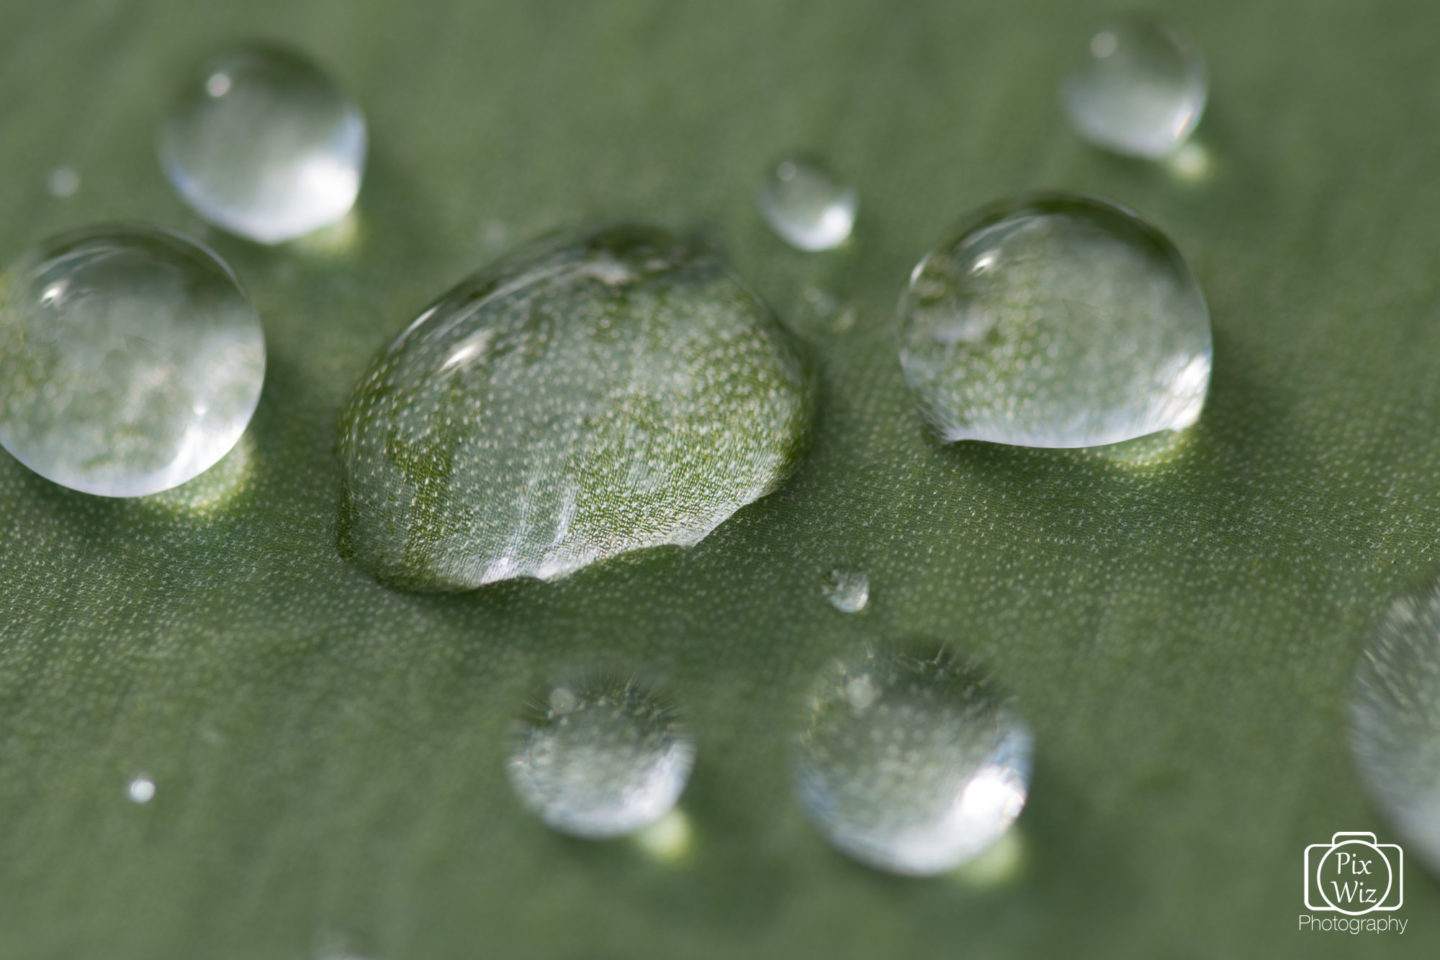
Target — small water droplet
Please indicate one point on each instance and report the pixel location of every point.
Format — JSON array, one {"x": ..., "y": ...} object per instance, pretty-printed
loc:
[
  {"x": 63, "y": 182},
  {"x": 1395, "y": 723},
  {"x": 265, "y": 145},
  {"x": 565, "y": 406},
  {"x": 847, "y": 590},
  {"x": 141, "y": 790},
  {"x": 911, "y": 764},
  {"x": 669, "y": 839},
  {"x": 806, "y": 206},
  {"x": 614, "y": 762},
  {"x": 1056, "y": 321},
  {"x": 130, "y": 360},
  {"x": 1138, "y": 89}
]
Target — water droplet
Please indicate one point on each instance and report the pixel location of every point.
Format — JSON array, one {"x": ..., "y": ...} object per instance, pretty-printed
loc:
[
  {"x": 141, "y": 790},
  {"x": 130, "y": 360},
  {"x": 1139, "y": 88},
  {"x": 565, "y": 406},
  {"x": 1056, "y": 321},
  {"x": 615, "y": 760},
  {"x": 806, "y": 206},
  {"x": 63, "y": 182},
  {"x": 910, "y": 763},
  {"x": 1395, "y": 723},
  {"x": 847, "y": 590},
  {"x": 265, "y": 145}
]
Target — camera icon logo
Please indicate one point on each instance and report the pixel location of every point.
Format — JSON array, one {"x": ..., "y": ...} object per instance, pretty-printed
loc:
[{"x": 1354, "y": 875}]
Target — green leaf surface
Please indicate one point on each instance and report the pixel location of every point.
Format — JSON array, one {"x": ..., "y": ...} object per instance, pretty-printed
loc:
[{"x": 328, "y": 753}]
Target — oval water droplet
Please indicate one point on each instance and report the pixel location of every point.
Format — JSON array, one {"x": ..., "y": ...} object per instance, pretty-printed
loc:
[
  {"x": 806, "y": 206},
  {"x": 847, "y": 590},
  {"x": 1395, "y": 723},
  {"x": 1139, "y": 88},
  {"x": 600, "y": 758},
  {"x": 1056, "y": 321},
  {"x": 264, "y": 144},
  {"x": 614, "y": 393},
  {"x": 910, "y": 763},
  {"x": 130, "y": 360}
]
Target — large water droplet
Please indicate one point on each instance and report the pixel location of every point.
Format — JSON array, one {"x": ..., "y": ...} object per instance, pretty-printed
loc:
[
  {"x": 1139, "y": 88},
  {"x": 911, "y": 763},
  {"x": 265, "y": 145},
  {"x": 130, "y": 360},
  {"x": 1056, "y": 321},
  {"x": 806, "y": 206},
  {"x": 600, "y": 758},
  {"x": 565, "y": 406},
  {"x": 1395, "y": 722},
  {"x": 847, "y": 590}
]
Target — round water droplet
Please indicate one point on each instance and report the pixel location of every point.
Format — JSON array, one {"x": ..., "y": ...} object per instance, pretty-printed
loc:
[
  {"x": 911, "y": 764},
  {"x": 265, "y": 145},
  {"x": 1056, "y": 321},
  {"x": 1395, "y": 723},
  {"x": 618, "y": 392},
  {"x": 141, "y": 790},
  {"x": 847, "y": 590},
  {"x": 63, "y": 182},
  {"x": 806, "y": 206},
  {"x": 1139, "y": 88},
  {"x": 130, "y": 360},
  {"x": 616, "y": 758}
]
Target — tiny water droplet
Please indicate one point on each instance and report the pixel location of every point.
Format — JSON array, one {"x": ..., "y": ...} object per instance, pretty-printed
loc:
[
  {"x": 564, "y": 406},
  {"x": 806, "y": 206},
  {"x": 910, "y": 763},
  {"x": 63, "y": 182},
  {"x": 1395, "y": 723},
  {"x": 141, "y": 790},
  {"x": 264, "y": 144},
  {"x": 1139, "y": 88},
  {"x": 847, "y": 590},
  {"x": 1056, "y": 321},
  {"x": 615, "y": 761},
  {"x": 130, "y": 360}
]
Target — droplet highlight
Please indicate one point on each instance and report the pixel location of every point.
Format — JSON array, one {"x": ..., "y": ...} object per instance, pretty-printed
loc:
[
  {"x": 1138, "y": 88},
  {"x": 141, "y": 790},
  {"x": 1056, "y": 320},
  {"x": 1395, "y": 723},
  {"x": 847, "y": 590},
  {"x": 911, "y": 763},
  {"x": 564, "y": 406},
  {"x": 130, "y": 360},
  {"x": 262, "y": 143},
  {"x": 600, "y": 758},
  {"x": 806, "y": 205}
]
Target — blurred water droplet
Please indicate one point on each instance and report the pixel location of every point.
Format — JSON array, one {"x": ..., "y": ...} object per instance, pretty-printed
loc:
[
  {"x": 1056, "y": 321},
  {"x": 262, "y": 143},
  {"x": 564, "y": 406},
  {"x": 141, "y": 790},
  {"x": 911, "y": 764},
  {"x": 63, "y": 182},
  {"x": 616, "y": 758},
  {"x": 847, "y": 590},
  {"x": 130, "y": 360},
  {"x": 1139, "y": 88},
  {"x": 806, "y": 206},
  {"x": 669, "y": 839},
  {"x": 1395, "y": 723}
]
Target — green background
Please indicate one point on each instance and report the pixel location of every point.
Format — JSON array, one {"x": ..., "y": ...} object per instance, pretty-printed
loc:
[{"x": 328, "y": 753}]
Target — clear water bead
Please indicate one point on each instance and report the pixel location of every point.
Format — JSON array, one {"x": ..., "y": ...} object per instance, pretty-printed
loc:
[
  {"x": 1139, "y": 88},
  {"x": 265, "y": 145},
  {"x": 1395, "y": 723},
  {"x": 130, "y": 360},
  {"x": 1056, "y": 321},
  {"x": 600, "y": 758},
  {"x": 847, "y": 590},
  {"x": 806, "y": 206},
  {"x": 571, "y": 403},
  {"x": 911, "y": 763}
]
